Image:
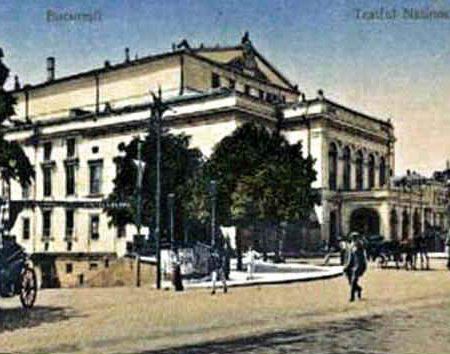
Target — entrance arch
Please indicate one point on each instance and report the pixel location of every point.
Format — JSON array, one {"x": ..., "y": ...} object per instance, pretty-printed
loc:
[{"x": 365, "y": 221}]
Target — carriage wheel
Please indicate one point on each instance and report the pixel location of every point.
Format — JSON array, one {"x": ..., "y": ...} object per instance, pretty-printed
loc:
[{"x": 28, "y": 291}]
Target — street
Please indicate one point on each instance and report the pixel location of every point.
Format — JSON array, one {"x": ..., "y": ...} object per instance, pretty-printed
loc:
[{"x": 401, "y": 312}]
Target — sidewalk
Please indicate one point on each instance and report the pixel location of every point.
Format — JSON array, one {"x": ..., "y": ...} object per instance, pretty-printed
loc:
[
  {"x": 269, "y": 273},
  {"x": 438, "y": 255}
]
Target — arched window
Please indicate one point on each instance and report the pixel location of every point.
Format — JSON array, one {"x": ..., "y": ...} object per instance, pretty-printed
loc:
[
  {"x": 332, "y": 166},
  {"x": 371, "y": 163},
  {"x": 347, "y": 168},
  {"x": 359, "y": 171},
  {"x": 382, "y": 171}
]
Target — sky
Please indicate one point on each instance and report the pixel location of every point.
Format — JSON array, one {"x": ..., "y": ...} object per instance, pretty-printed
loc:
[{"x": 387, "y": 67}]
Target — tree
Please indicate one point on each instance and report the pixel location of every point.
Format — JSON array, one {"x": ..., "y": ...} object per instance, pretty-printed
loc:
[
  {"x": 179, "y": 164},
  {"x": 261, "y": 177},
  {"x": 14, "y": 164},
  {"x": 279, "y": 192}
]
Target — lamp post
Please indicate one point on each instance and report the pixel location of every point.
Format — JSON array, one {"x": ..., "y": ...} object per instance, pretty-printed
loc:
[
  {"x": 158, "y": 107},
  {"x": 140, "y": 166},
  {"x": 176, "y": 267},
  {"x": 170, "y": 204},
  {"x": 213, "y": 192}
]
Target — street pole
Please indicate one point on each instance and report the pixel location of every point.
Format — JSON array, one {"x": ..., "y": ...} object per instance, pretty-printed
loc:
[
  {"x": 213, "y": 189},
  {"x": 139, "y": 187},
  {"x": 140, "y": 172},
  {"x": 170, "y": 204},
  {"x": 158, "y": 199},
  {"x": 157, "y": 110}
]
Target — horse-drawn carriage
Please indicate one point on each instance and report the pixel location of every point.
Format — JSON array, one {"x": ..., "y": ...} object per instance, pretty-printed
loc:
[
  {"x": 403, "y": 253},
  {"x": 17, "y": 277}
]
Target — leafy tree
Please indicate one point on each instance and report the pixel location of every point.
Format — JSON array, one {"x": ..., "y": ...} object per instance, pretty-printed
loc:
[
  {"x": 261, "y": 177},
  {"x": 178, "y": 166},
  {"x": 279, "y": 192},
  {"x": 14, "y": 164}
]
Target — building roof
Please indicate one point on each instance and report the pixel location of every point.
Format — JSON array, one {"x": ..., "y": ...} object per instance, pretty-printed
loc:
[
  {"x": 177, "y": 50},
  {"x": 331, "y": 103}
]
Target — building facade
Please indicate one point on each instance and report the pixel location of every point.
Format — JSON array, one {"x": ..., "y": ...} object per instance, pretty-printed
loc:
[{"x": 72, "y": 127}]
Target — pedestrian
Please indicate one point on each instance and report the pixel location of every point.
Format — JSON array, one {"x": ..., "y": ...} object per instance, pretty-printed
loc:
[
  {"x": 343, "y": 251},
  {"x": 329, "y": 250},
  {"x": 447, "y": 245},
  {"x": 355, "y": 268},
  {"x": 251, "y": 256},
  {"x": 218, "y": 272}
]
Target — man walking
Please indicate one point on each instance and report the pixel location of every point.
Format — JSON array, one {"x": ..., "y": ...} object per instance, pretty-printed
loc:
[
  {"x": 355, "y": 268},
  {"x": 218, "y": 271}
]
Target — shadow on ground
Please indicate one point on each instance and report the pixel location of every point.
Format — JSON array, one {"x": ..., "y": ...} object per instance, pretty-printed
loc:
[
  {"x": 333, "y": 338},
  {"x": 17, "y": 318}
]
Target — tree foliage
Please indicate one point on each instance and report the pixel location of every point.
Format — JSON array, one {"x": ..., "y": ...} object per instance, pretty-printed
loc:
[
  {"x": 13, "y": 161},
  {"x": 178, "y": 166},
  {"x": 261, "y": 176}
]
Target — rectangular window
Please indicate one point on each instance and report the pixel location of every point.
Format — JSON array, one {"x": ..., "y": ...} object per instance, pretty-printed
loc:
[
  {"x": 232, "y": 84},
  {"x": 95, "y": 177},
  {"x": 47, "y": 151},
  {"x": 261, "y": 94},
  {"x": 69, "y": 222},
  {"x": 46, "y": 223},
  {"x": 94, "y": 227},
  {"x": 47, "y": 174},
  {"x": 247, "y": 90},
  {"x": 121, "y": 231},
  {"x": 215, "y": 80},
  {"x": 26, "y": 192},
  {"x": 69, "y": 268},
  {"x": 71, "y": 147},
  {"x": 93, "y": 266},
  {"x": 26, "y": 228},
  {"x": 70, "y": 179}
]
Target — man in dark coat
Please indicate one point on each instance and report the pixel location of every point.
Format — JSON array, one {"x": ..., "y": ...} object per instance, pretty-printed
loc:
[
  {"x": 218, "y": 269},
  {"x": 355, "y": 268}
]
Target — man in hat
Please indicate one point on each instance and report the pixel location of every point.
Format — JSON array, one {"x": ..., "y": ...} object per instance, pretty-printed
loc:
[
  {"x": 218, "y": 271},
  {"x": 356, "y": 267}
]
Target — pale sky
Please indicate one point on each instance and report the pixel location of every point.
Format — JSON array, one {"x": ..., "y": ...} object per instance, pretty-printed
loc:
[{"x": 396, "y": 67}]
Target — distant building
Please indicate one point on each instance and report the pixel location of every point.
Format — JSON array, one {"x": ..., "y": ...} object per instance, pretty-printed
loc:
[{"x": 74, "y": 125}]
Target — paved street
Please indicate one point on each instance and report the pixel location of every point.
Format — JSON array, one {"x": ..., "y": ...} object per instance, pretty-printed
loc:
[{"x": 402, "y": 312}]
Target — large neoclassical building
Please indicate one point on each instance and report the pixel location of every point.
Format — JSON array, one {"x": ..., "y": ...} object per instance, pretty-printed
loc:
[{"x": 73, "y": 126}]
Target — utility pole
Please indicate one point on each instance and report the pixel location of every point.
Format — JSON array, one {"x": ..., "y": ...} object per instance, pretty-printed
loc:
[
  {"x": 140, "y": 173},
  {"x": 140, "y": 165},
  {"x": 157, "y": 110},
  {"x": 170, "y": 204},
  {"x": 213, "y": 190}
]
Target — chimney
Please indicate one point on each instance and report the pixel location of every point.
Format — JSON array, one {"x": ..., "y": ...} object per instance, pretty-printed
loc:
[
  {"x": 448, "y": 165},
  {"x": 127, "y": 55},
  {"x": 16, "y": 83},
  {"x": 320, "y": 95},
  {"x": 50, "y": 68}
]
